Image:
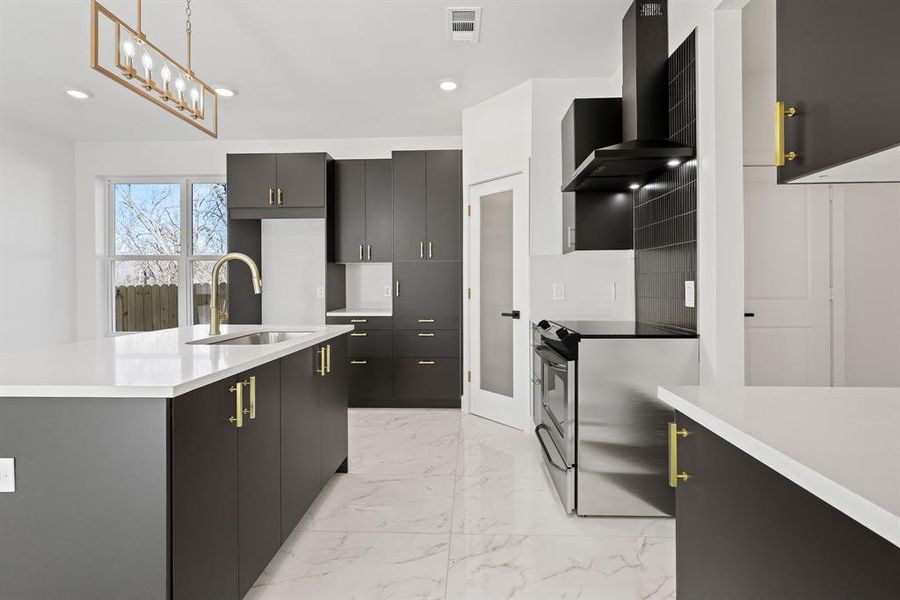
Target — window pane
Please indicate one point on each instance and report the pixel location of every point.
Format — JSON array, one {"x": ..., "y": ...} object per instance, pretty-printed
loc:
[
  {"x": 146, "y": 295},
  {"x": 202, "y": 275},
  {"x": 210, "y": 214},
  {"x": 148, "y": 218}
]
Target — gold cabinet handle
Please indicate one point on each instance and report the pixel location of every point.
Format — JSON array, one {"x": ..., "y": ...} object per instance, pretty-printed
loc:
[
  {"x": 360, "y": 251},
  {"x": 359, "y": 334},
  {"x": 426, "y": 362},
  {"x": 328, "y": 358},
  {"x": 426, "y": 320},
  {"x": 359, "y": 320},
  {"x": 238, "y": 418},
  {"x": 280, "y": 197},
  {"x": 397, "y": 288},
  {"x": 368, "y": 251},
  {"x": 251, "y": 381},
  {"x": 321, "y": 370},
  {"x": 425, "y": 334},
  {"x": 780, "y": 113},
  {"x": 359, "y": 362},
  {"x": 674, "y": 475},
  {"x": 421, "y": 249},
  {"x": 429, "y": 249},
  {"x": 271, "y": 196}
]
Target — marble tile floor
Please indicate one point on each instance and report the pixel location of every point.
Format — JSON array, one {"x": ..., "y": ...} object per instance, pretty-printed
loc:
[{"x": 449, "y": 506}]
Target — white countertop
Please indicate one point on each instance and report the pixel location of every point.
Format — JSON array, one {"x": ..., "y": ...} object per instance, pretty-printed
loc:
[
  {"x": 359, "y": 312},
  {"x": 841, "y": 444},
  {"x": 156, "y": 364}
]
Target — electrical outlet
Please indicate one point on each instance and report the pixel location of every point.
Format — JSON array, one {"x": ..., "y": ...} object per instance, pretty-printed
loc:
[
  {"x": 387, "y": 291},
  {"x": 320, "y": 291},
  {"x": 612, "y": 291},
  {"x": 7, "y": 475},
  {"x": 559, "y": 291},
  {"x": 690, "y": 299}
]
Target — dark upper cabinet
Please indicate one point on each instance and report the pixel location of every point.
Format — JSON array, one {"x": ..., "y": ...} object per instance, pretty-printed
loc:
[
  {"x": 426, "y": 291},
  {"x": 204, "y": 494},
  {"x": 259, "y": 473},
  {"x": 333, "y": 394},
  {"x": 410, "y": 215},
  {"x": 427, "y": 205},
  {"x": 379, "y": 211},
  {"x": 363, "y": 211},
  {"x": 301, "y": 453},
  {"x": 287, "y": 185},
  {"x": 837, "y": 66}
]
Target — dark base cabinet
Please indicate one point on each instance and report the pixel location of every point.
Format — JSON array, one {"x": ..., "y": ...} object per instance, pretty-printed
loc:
[
  {"x": 747, "y": 532},
  {"x": 427, "y": 382},
  {"x": 238, "y": 491},
  {"x": 370, "y": 382}
]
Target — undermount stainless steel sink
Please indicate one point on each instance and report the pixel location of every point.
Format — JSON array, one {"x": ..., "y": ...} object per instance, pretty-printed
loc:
[{"x": 257, "y": 338}]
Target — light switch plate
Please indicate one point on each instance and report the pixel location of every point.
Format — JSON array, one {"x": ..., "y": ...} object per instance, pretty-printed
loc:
[
  {"x": 387, "y": 291},
  {"x": 559, "y": 291},
  {"x": 7, "y": 474},
  {"x": 690, "y": 299},
  {"x": 320, "y": 291}
]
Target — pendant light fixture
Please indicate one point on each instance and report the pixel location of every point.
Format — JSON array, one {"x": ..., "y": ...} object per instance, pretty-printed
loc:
[{"x": 126, "y": 56}]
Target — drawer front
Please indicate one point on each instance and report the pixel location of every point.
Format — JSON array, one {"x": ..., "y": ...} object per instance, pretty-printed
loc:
[
  {"x": 361, "y": 322},
  {"x": 369, "y": 379},
  {"x": 426, "y": 321},
  {"x": 426, "y": 379},
  {"x": 428, "y": 343},
  {"x": 369, "y": 342}
]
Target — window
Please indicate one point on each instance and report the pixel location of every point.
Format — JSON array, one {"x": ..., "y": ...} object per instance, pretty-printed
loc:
[{"x": 165, "y": 236}]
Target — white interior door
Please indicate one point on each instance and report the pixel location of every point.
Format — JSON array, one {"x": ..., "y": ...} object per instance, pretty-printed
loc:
[
  {"x": 787, "y": 281},
  {"x": 498, "y": 268}
]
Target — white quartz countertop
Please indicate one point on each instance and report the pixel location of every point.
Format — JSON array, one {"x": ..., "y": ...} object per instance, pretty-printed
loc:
[
  {"x": 156, "y": 364},
  {"x": 359, "y": 312},
  {"x": 841, "y": 444}
]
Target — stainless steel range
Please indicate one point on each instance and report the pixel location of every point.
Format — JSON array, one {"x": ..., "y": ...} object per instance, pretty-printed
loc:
[{"x": 602, "y": 430}]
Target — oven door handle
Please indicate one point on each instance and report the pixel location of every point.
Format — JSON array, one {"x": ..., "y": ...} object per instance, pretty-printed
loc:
[
  {"x": 551, "y": 358},
  {"x": 550, "y": 460}
]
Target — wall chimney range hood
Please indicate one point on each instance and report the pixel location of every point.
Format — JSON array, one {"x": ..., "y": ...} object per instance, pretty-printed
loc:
[{"x": 645, "y": 111}]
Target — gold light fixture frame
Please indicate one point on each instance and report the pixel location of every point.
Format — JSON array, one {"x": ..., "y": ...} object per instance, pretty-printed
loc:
[{"x": 147, "y": 88}]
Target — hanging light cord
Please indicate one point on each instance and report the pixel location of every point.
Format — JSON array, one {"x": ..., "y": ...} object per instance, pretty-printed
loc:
[{"x": 187, "y": 29}]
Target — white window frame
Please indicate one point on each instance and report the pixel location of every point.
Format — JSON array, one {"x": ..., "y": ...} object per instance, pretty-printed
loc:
[{"x": 185, "y": 259}]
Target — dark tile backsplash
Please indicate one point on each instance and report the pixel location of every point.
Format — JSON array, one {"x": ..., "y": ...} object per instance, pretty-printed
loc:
[{"x": 665, "y": 212}]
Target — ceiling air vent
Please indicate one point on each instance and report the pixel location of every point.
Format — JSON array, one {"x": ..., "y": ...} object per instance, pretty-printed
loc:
[{"x": 464, "y": 25}]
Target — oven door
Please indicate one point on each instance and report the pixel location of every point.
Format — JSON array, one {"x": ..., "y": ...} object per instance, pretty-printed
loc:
[{"x": 556, "y": 429}]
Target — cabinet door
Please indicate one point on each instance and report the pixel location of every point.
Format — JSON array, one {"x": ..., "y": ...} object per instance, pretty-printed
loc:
[
  {"x": 426, "y": 342},
  {"x": 369, "y": 381},
  {"x": 426, "y": 290},
  {"x": 350, "y": 181},
  {"x": 408, "y": 169},
  {"x": 250, "y": 178},
  {"x": 204, "y": 494},
  {"x": 427, "y": 382},
  {"x": 259, "y": 475},
  {"x": 444, "y": 204},
  {"x": 379, "y": 211},
  {"x": 834, "y": 65},
  {"x": 302, "y": 179},
  {"x": 334, "y": 407},
  {"x": 301, "y": 453}
]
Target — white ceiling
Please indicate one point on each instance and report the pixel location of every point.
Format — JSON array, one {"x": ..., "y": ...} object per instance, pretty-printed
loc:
[{"x": 303, "y": 69}]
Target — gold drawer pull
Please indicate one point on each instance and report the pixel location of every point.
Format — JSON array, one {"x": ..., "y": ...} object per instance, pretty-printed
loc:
[
  {"x": 426, "y": 362},
  {"x": 238, "y": 419},
  {"x": 271, "y": 196},
  {"x": 674, "y": 475},
  {"x": 359, "y": 334},
  {"x": 279, "y": 196},
  {"x": 426, "y": 320},
  {"x": 321, "y": 370},
  {"x": 251, "y": 381},
  {"x": 328, "y": 358},
  {"x": 359, "y": 320},
  {"x": 359, "y": 362},
  {"x": 421, "y": 249},
  {"x": 780, "y": 113},
  {"x": 425, "y": 335}
]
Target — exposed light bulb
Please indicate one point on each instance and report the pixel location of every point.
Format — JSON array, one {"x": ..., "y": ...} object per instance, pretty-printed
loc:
[
  {"x": 634, "y": 186},
  {"x": 195, "y": 96},
  {"x": 179, "y": 87},
  {"x": 147, "y": 61},
  {"x": 165, "y": 74},
  {"x": 674, "y": 162},
  {"x": 128, "y": 48}
]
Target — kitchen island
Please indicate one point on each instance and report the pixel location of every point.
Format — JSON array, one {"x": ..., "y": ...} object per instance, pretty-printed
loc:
[
  {"x": 165, "y": 464},
  {"x": 786, "y": 492}
]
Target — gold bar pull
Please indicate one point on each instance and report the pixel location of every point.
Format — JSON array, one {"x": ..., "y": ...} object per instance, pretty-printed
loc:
[
  {"x": 421, "y": 249},
  {"x": 360, "y": 251},
  {"x": 674, "y": 475},
  {"x": 252, "y": 383},
  {"x": 426, "y": 362},
  {"x": 359, "y": 320},
  {"x": 359, "y": 362},
  {"x": 397, "y": 288},
  {"x": 359, "y": 334},
  {"x": 368, "y": 251},
  {"x": 271, "y": 196},
  {"x": 238, "y": 419},
  {"x": 780, "y": 113},
  {"x": 280, "y": 197},
  {"x": 328, "y": 358},
  {"x": 426, "y": 320},
  {"x": 425, "y": 334},
  {"x": 429, "y": 249},
  {"x": 321, "y": 370}
]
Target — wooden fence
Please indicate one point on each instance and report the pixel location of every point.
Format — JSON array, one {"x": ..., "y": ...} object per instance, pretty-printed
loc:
[{"x": 151, "y": 307}]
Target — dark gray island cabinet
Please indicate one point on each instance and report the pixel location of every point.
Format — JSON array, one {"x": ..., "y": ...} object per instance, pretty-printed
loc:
[{"x": 184, "y": 498}]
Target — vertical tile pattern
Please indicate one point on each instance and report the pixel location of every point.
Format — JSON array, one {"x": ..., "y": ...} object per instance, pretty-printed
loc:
[{"x": 665, "y": 211}]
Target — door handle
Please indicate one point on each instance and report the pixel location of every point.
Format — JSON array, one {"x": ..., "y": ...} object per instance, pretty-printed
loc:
[
  {"x": 251, "y": 381},
  {"x": 360, "y": 251},
  {"x": 359, "y": 320},
  {"x": 425, "y": 334},
  {"x": 426, "y": 320},
  {"x": 426, "y": 362},
  {"x": 780, "y": 113},
  {"x": 280, "y": 194},
  {"x": 359, "y": 334},
  {"x": 238, "y": 419},
  {"x": 674, "y": 475},
  {"x": 514, "y": 314},
  {"x": 328, "y": 358},
  {"x": 271, "y": 196},
  {"x": 429, "y": 249},
  {"x": 397, "y": 288},
  {"x": 359, "y": 362},
  {"x": 321, "y": 370},
  {"x": 749, "y": 314},
  {"x": 421, "y": 249},
  {"x": 368, "y": 251}
]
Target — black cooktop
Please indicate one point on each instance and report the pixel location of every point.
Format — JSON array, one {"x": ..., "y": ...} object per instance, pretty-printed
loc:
[{"x": 621, "y": 329}]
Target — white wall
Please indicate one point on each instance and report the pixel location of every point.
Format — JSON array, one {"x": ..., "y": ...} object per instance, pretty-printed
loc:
[
  {"x": 369, "y": 286},
  {"x": 37, "y": 235},
  {"x": 597, "y": 284},
  {"x": 293, "y": 271},
  {"x": 94, "y": 162}
]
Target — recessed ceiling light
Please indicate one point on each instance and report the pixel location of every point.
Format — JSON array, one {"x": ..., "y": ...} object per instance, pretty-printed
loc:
[
  {"x": 674, "y": 162},
  {"x": 78, "y": 94},
  {"x": 448, "y": 85},
  {"x": 225, "y": 92},
  {"x": 634, "y": 186}
]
